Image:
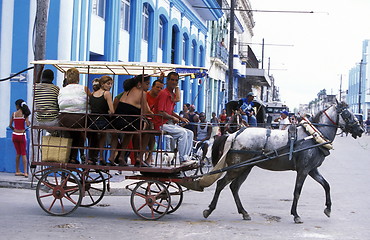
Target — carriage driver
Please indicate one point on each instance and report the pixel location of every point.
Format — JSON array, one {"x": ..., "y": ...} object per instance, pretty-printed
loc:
[
  {"x": 167, "y": 119},
  {"x": 247, "y": 110}
]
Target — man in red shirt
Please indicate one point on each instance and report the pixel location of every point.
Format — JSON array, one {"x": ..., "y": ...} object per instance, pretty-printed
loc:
[
  {"x": 167, "y": 118},
  {"x": 151, "y": 96}
]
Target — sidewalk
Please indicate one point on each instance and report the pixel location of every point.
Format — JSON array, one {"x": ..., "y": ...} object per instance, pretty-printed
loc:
[{"x": 118, "y": 183}]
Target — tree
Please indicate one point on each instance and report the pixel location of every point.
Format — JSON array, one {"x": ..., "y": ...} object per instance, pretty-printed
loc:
[{"x": 40, "y": 36}]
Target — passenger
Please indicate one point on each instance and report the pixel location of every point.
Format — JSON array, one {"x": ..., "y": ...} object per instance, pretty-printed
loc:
[
  {"x": 247, "y": 110},
  {"x": 100, "y": 103},
  {"x": 203, "y": 133},
  {"x": 168, "y": 118},
  {"x": 130, "y": 104},
  {"x": 72, "y": 102},
  {"x": 46, "y": 101},
  {"x": 20, "y": 118},
  {"x": 283, "y": 120},
  {"x": 151, "y": 98}
]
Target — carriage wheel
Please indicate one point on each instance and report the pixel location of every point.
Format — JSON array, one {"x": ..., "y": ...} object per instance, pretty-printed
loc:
[
  {"x": 206, "y": 165},
  {"x": 59, "y": 192},
  {"x": 95, "y": 187},
  {"x": 195, "y": 171},
  {"x": 177, "y": 195},
  {"x": 150, "y": 200}
]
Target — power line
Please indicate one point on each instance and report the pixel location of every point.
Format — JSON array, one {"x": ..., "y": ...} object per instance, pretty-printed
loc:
[
  {"x": 256, "y": 10},
  {"x": 267, "y": 44}
]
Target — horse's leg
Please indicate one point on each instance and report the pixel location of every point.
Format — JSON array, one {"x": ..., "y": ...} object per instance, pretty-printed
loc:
[
  {"x": 320, "y": 179},
  {"x": 301, "y": 177},
  {"x": 220, "y": 185},
  {"x": 235, "y": 186}
]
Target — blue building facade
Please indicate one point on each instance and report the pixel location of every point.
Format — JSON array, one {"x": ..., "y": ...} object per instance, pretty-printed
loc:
[
  {"x": 168, "y": 31},
  {"x": 358, "y": 97}
]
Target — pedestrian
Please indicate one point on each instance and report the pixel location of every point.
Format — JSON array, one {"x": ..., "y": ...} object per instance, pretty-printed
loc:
[
  {"x": 222, "y": 119},
  {"x": 283, "y": 120},
  {"x": 19, "y": 119},
  {"x": 367, "y": 123}
]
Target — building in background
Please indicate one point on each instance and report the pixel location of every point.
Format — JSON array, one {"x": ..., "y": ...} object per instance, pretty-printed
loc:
[
  {"x": 187, "y": 32},
  {"x": 101, "y": 30},
  {"x": 358, "y": 96}
]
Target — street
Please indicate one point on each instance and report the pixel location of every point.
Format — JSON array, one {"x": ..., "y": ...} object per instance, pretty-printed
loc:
[{"x": 266, "y": 195}]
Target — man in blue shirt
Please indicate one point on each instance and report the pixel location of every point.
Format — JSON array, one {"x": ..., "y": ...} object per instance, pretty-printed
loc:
[{"x": 247, "y": 110}]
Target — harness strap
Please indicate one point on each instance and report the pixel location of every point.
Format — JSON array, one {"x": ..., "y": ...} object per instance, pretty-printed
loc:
[
  {"x": 331, "y": 120},
  {"x": 268, "y": 134},
  {"x": 236, "y": 135}
]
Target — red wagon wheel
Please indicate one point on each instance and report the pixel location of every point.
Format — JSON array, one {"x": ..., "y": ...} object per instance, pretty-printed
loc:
[
  {"x": 95, "y": 187},
  {"x": 150, "y": 200},
  {"x": 177, "y": 195},
  {"x": 59, "y": 192}
]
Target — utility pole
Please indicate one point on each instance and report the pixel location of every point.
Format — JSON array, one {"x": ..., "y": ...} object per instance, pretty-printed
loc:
[
  {"x": 231, "y": 51},
  {"x": 340, "y": 89},
  {"x": 40, "y": 36},
  {"x": 359, "y": 88}
]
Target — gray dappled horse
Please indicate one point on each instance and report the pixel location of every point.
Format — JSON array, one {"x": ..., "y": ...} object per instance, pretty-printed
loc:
[{"x": 246, "y": 143}]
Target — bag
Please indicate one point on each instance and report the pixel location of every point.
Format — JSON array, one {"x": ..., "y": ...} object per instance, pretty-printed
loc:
[{"x": 55, "y": 149}]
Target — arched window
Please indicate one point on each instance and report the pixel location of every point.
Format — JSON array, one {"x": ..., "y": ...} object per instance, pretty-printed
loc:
[
  {"x": 194, "y": 51},
  {"x": 145, "y": 34},
  {"x": 176, "y": 40},
  {"x": 185, "y": 50},
  {"x": 161, "y": 34},
  {"x": 98, "y": 8}
]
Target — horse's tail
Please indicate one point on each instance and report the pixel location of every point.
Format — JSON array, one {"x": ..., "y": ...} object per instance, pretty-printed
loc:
[
  {"x": 220, "y": 149},
  {"x": 217, "y": 149}
]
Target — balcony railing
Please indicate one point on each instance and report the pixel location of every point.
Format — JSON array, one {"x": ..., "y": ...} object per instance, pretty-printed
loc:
[{"x": 220, "y": 51}]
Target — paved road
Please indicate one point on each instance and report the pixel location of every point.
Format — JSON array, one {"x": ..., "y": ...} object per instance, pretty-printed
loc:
[{"x": 266, "y": 195}]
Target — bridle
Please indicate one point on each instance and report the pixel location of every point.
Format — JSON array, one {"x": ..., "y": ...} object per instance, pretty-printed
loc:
[{"x": 343, "y": 112}]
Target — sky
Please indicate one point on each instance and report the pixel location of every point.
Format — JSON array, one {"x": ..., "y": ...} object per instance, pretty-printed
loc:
[{"x": 322, "y": 45}]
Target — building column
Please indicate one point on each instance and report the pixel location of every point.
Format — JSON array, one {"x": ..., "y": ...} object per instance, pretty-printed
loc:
[{"x": 112, "y": 30}]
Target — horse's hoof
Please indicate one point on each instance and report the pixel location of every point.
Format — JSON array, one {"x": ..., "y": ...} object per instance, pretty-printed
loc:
[
  {"x": 206, "y": 213},
  {"x": 246, "y": 217},
  {"x": 297, "y": 220},
  {"x": 327, "y": 212}
]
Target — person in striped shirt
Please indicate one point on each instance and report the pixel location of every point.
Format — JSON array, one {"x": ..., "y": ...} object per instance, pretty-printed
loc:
[{"x": 46, "y": 100}]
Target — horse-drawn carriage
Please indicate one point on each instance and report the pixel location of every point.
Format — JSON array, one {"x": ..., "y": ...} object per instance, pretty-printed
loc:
[{"x": 62, "y": 187}]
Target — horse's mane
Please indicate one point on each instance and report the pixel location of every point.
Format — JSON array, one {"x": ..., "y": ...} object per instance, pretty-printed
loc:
[
  {"x": 316, "y": 118},
  {"x": 217, "y": 148}
]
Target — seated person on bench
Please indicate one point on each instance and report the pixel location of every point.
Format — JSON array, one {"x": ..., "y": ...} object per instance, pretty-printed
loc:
[{"x": 167, "y": 120}]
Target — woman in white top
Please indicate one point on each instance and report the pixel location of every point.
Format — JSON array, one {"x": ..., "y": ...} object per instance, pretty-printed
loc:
[{"x": 72, "y": 101}]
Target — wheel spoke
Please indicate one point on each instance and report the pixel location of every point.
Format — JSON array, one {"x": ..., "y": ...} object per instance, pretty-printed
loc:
[
  {"x": 145, "y": 204},
  {"x": 140, "y": 195},
  {"x": 70, "y": 199},
  {"x": 52, "y": 204},
  {"x": 47, "y": 195}
]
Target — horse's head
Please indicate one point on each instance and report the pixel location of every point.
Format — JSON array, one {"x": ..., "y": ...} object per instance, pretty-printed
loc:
[{"x": 348, "y": 121}]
